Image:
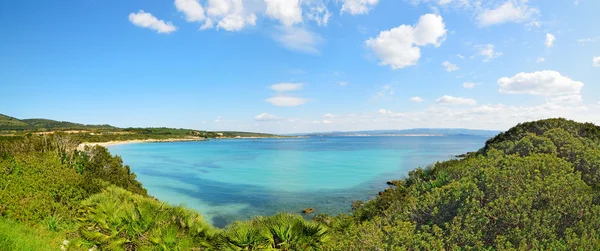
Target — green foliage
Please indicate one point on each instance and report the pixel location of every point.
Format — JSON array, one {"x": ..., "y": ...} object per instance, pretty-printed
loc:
[
  {"x": 534, "y": 187},
  {"x": 281, "y": 232},
  {"x": 42, "y": 179},
  {"x": 120, "y": 220}
]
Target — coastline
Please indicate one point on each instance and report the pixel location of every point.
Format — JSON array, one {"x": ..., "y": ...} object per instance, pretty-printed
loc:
[
  {"x": 133, "y": 141},
  {"x": 122, "y": 142}
]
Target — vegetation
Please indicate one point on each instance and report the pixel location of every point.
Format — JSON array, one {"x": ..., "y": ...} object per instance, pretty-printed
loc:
[
  {"x": 536, "y": 186},
  {"x": 10, "y": 123},
  {"x": 103, "y": 133}
]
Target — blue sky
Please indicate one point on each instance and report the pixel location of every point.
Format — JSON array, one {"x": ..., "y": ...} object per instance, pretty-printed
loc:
[{"x": 301, "y": 65}]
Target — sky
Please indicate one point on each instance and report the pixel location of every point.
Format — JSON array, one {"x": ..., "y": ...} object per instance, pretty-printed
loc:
[{"x": 290, "y": 66}]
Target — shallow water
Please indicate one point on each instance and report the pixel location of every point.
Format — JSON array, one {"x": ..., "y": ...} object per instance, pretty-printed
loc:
[{"x": 235, "y": 179}]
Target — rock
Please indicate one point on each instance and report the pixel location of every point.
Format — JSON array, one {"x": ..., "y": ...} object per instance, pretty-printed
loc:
[{"x": 308, "y": 210}]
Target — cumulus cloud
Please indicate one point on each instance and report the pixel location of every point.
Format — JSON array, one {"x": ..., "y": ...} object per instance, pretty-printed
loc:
[
  {"x": 416, "y": 99},
  {"x": 549, "y": 40},
  {"x": 147, "y": 20},
  {"x": 540, "y": 60},
  {"x": 266, "y": 117},
  {"x": 596, "y": 61},
  {"x": 230, "y": 15},
  {"x": 286, "y": 87},
  {"x": 298, "y": 39},
  {"x": 286, "y": 101},
  {"x": 546, "y": 83},
  {"x": 516, "y": 11},
  {"x": 470, "y": 85},
  {"x": 449, "y": 100},
  {"x": 399, "y": 47},
  {"x": 450, "y": 66},
  {"x": 192, "y": 9},
  {"x": 328, "y": 116},
  {"x": 288, "y": 12},
  {"x": 488, "y": 52},
  {"x": 357, "y": 7}
]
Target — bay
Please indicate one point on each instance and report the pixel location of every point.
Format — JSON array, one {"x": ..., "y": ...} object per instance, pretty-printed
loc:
[{"x": 234, "y": 179}]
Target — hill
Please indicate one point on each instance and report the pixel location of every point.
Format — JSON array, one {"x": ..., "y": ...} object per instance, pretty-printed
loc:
[
  {"x": 103, "y": 133},
  {"x": 10, "y": 123}
]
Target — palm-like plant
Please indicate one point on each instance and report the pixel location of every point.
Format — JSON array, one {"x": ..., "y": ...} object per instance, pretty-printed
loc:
[{"x": 119, "y": 220}]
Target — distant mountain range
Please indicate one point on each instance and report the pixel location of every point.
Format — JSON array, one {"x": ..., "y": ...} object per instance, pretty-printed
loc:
[{"x": 408, "y": 132}]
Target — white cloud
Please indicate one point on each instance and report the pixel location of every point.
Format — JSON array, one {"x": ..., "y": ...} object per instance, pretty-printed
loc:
[
  {"x": 449, "y": 100},
  {"x": 147, "y": 20},
  {"x": 390, "y": 113},
  {"x": 286, "y": 101},
  {"x": 285, "y": 87},
  {"x": 266, "y": 117},
  {"x": 596, "y": 61},
  {"x": 298, "y": 39},
  {"x": 460, "y": 56},
  {"x": 450, "y": 66},
  {"x": 488, "y": 52},
  {"x": 193, "y": 10},
  {"x": 549, "y": 40},
  {"x": 328, "y": 116},
  {"x": 230, "y": 15},
  {"x": 416, "y": 99},
  {"x": 317, "y": 11},
  {"x": 515, "y": 11},
  {"x": 540, "y": 60},
  {"x": 325, "y": 121},
  {"x": 569, "y": 99},
  {"x": 288, "y": 12},
  {"x": 399, "y": 47},
  {"x": 469, "y": 85},
  {"x": 546, "y": 83},
  {"x": 357, "y": 7},
  {"x": 343, "y": 83}
]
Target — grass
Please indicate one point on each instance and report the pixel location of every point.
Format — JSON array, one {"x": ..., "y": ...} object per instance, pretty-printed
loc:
[{"x": 15, "y": 236}]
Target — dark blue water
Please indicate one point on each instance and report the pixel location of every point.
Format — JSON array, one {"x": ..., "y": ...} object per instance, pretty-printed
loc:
[{"x": 235, "y": 179}]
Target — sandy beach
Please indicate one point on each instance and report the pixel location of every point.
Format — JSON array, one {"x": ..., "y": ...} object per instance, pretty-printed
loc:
[{"x": 112, "y": 143}]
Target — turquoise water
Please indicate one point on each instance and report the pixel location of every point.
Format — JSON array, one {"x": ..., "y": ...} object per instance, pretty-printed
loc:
[{"x": 235, "y": 179}]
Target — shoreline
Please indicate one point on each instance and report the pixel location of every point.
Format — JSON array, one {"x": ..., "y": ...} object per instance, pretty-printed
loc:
[
  {"x": 133, "y": 141},
  {"x": 82, "y": 146}
]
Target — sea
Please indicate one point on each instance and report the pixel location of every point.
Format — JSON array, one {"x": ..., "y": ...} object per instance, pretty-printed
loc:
[{"x": 236, "y": 179}]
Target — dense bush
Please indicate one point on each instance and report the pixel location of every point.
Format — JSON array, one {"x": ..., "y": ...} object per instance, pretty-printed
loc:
[{"x": 120, "y": 220}]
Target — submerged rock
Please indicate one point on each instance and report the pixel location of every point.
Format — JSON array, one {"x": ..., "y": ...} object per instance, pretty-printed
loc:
[{"x": 308, "y": 210}]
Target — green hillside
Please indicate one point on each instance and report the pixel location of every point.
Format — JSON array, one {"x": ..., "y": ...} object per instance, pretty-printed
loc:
[
  {"x": 534, "y": 187},
  {"x": 104, "y": 133},
  {"x": 10, "y": 123}
]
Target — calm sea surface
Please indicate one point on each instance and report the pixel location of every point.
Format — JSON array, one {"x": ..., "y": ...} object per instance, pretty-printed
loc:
[{"x": 235, "y": 179}]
